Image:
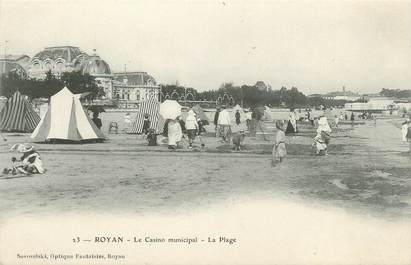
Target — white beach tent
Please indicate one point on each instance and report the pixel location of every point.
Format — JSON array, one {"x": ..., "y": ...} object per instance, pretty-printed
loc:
[{"x": 66, "y": 120}]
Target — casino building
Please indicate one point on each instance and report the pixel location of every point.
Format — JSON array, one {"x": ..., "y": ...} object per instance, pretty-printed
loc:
[{"x": 125, "y": 87}]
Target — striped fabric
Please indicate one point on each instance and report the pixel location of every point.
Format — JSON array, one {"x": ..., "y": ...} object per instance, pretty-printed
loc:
[
  {"x": 150, "y": 107},
  {"x": 18, "y": 115},
  {"x": 200, "y": 113}
]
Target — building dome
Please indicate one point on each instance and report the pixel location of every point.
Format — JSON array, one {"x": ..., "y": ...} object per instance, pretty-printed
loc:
[
  {"x": 96, "y": 66},
  {"x": 7, "y": 67}
]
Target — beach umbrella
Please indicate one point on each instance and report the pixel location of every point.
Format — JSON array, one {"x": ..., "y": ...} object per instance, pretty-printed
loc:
[
  {"x": 96, "y": 109},
  {"x": 170, "y": 109}
]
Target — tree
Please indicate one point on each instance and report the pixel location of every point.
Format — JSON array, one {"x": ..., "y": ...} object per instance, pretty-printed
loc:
[{"x": 77, "y": 82}]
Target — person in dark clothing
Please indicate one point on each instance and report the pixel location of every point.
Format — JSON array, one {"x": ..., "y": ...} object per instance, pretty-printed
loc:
[
  {"x": 165, "y": 128},
  {"x": 201, "y": 128},
  {"x": 152, "y": 137},
  {"x": 237, "y": 117},
  {"x": 97, "y": 120},
  {"x": 182, "y": 124},
  {"x": 146, "y": 123},
  {"x": 216, "y": 115},
  {"x": 352, "y": 116}
]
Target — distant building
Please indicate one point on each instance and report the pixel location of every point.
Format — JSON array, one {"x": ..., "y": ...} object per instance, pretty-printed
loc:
[
  {"x": 14, "y": 64},
  {"x": 339, "y": 95},
  {"x": 57, "y": 60},
  {"x": 348, "y": 96},
  {"x": 128, "y": 87},
  {"x": 379, "y": 104},
  {"x": 134, "y": 87}
]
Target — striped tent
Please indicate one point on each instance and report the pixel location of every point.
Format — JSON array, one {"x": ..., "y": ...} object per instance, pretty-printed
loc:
[
  {"x": 200, "y": 113},
  {"x": 18, "y": 115},
  {"x": 150, "y": 107}
]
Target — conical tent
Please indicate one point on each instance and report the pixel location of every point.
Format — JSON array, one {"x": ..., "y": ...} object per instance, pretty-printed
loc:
[
  {"x": 150, "y": 107},
  {"x": 18, "y": 115},
  {"x": 65, "y": 120}
]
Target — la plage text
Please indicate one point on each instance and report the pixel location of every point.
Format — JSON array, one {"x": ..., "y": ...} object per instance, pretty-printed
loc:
[{"x": 154, "y": 239}]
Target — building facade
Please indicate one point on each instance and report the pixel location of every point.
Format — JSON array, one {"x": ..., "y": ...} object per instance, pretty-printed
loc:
[
  {"x": 127, "y": 87},
  {"x": 14, "y": 64},
  {"x": 133, "y": 87}
]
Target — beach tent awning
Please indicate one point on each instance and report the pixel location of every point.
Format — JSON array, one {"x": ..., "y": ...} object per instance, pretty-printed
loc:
[
  {"x": 150, "y": 107},
  {"x": 66, "y": 120},
  {"x": 200, "y": 114},
  {"x": 18, "y": 115}
]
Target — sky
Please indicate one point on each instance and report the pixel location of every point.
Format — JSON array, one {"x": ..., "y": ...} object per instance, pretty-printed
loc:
[{"x": 317, "y": 46}]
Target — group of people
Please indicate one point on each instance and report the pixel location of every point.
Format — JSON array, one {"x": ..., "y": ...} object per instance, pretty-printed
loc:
[
  {"x": 176, "y": 130},
  {"x": 320, "y": 141}
]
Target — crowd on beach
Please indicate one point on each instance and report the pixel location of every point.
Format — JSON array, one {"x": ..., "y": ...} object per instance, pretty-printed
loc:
[{"x": 177, "y": 130}]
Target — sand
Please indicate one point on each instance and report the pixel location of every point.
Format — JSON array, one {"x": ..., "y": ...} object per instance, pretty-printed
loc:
[{"x": 361, "y": 188}]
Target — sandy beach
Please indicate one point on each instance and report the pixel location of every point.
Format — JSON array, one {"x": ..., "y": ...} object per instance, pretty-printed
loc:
[{"x": 363, "y": 182}]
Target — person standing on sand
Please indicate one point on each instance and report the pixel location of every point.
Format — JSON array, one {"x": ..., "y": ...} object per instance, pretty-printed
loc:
[
  {"x": 97, "y": 120},
  {"x": 279, "y": 149},
  {"x": 404, "y": 131},
  {"x": 237, "y": 117},
  {"x": 216, "y": 115},
  {"x": 174, "y": 133},
  {"x": 336, "y": 121},
  {"x": 322, "y": 139},
  {"x": 409, "y": 133},
  {"x": 191, "y": 127},
  {"x": 224, "y": 123},
  {"x": 248, "y": 120},
  {"x": 352, "y": 116},
  {"x": 127, "y": 122},
  {"x": 146, "y": 123}
]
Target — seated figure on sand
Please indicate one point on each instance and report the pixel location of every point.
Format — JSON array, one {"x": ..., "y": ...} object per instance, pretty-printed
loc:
[{"x": 31, "y": 162}]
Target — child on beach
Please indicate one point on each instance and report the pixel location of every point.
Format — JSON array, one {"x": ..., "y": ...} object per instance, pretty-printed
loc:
[
  {"x": 191, "y": 127},
  {"x": 238, "y": 139},
  {"x": 336, "y": 121},
  {"x": 152, "y": 137},
  {"x": 31, "y": 161},
  {"x": 279, "y": 149}
]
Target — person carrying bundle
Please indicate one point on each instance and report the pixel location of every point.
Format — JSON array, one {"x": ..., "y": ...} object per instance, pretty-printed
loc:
[
  {"x": 323, "y": 137},
  {"x": 279, "y": 149}
]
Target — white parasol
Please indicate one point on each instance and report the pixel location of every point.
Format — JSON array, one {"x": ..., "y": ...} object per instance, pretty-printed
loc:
[{"x": 170, "y": 109}]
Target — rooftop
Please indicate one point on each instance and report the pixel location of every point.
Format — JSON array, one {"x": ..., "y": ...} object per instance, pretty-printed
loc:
[
  {"x": 68, "y": 53},
  {"x": 135, "y": 78}
]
